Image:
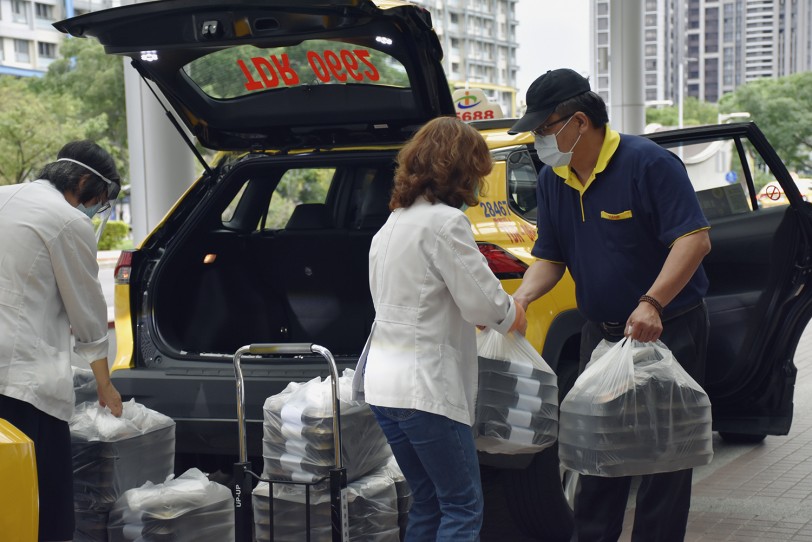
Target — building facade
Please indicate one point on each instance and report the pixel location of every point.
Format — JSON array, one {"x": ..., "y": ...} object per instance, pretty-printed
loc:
[
  {"x": 28, "y": 41},
  {"x": 707, "y": 48},
  {"x": 479, "y": 43}
]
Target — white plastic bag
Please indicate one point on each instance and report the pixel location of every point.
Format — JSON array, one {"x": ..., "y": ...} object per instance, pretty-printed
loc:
[
  {"x": 634, "y": 410},
  {"x": 517, "y": 398}
]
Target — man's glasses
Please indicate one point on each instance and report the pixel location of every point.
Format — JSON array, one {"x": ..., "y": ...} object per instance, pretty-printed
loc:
[{"x": 544, "y": 128}]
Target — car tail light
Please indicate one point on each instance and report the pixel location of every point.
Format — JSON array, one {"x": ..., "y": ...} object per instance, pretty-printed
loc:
[
  {"x": 123, "y": 267},
  {"x": 503, "y": 264}
]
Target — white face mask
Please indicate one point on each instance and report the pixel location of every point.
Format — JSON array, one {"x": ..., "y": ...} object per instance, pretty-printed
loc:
[
  {"x": 548, "y": 151},
  {"x": 89, "y": 211}
]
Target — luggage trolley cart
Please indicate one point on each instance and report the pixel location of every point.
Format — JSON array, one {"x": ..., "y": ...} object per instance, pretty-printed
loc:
[{"x": 242, "y": 469}]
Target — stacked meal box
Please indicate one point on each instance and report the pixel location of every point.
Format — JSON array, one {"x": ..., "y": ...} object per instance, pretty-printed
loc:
[
  {"x": 112, "y": 455},
  {"x": 189, "y": 508},
  {"x": 656, "y": 420},
  {"x": 299, "y": 446},
  {"x": 517, "y": 399}
]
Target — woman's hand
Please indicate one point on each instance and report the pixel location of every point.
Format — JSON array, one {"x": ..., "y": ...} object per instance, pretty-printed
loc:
[{"x": 110, "y": 397}]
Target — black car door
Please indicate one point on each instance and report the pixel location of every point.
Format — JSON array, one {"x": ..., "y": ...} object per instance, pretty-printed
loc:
[{"x": 759, "y": 298}]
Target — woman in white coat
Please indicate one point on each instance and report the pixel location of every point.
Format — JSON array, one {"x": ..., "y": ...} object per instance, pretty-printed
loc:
[{"x": 431, "y": 287}]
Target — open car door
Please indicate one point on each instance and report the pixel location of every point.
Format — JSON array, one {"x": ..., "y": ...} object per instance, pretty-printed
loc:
[{"x": 759, "y": 298}]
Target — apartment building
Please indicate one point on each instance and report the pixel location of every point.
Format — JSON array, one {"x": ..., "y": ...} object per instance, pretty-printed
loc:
[
  {"x": 479, "y": 42},
  {"x": 707, "y": 48},
  {"x": 28, "y": 42}
]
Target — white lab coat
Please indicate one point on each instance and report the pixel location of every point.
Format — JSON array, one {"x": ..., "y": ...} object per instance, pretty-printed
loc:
[
  {"x": 48, "y": 285},
  {"x": 430, "y": 286}
]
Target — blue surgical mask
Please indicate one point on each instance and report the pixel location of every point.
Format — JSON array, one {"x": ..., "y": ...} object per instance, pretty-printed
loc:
[
  {"x": 89, "y": 211},
  {"x": 548, "y": 151}
]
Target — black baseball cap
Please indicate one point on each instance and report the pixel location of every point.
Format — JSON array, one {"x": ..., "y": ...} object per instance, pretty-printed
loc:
[{"x": 546, "y": 93}]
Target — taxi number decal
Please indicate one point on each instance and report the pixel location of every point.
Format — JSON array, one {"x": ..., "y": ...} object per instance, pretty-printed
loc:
[
  {"x": 275, "y": 70},
  {"x": 475, "y": 115},
  {"x": 496, "y": 208}
]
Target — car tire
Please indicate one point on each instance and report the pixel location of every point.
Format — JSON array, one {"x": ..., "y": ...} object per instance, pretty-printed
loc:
[
  {"x": 536, "y": 498},
  {"x": 741, "y": 438}
]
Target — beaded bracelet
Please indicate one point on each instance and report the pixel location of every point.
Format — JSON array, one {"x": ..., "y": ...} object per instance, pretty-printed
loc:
[{"x": 653, "y": 302}]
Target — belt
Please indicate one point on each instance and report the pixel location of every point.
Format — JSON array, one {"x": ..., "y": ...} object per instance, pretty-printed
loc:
[{"x": 614, "y": 331}]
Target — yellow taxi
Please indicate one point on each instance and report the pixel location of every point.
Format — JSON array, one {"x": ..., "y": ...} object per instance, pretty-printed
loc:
[{"x": 310, "y": 102}]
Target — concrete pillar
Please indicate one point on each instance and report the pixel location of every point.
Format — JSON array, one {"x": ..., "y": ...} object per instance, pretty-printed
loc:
[
  {"x": 162, "y": 167},
  {"x": 627, "y": 111}
]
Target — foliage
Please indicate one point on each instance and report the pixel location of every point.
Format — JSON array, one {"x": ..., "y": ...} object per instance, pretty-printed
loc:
[
  {"x": 694, "y": 113},
  {"x": 782, "y": 108},
  {"x": 115, "y": 235},
  {"x": 97, "y": 79},
  {"x": 34, "y": 124}
]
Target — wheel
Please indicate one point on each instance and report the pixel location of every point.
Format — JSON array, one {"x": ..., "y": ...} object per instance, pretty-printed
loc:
[
  {"x": 741, "y": 438},
  {"x": 536, "y": 500}
]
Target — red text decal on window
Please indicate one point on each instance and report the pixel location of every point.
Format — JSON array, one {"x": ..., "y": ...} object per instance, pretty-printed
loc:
[{"x": 270, "y": 72}]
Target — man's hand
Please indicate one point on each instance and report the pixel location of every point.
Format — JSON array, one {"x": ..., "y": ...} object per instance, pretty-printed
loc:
[
  {"x": 644, "y": 324},
  {"x": 110, "y": 397}
]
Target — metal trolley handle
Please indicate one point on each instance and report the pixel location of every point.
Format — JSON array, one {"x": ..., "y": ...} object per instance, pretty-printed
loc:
[
  {"x": 338, "y": 475},
  {"x": 292, "y": 349}
]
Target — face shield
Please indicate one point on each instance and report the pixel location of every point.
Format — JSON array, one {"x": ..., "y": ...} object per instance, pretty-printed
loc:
[{"x": 105, "y": 209}]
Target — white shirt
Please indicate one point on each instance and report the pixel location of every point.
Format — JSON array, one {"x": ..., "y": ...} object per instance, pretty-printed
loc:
[
  {"x": 430, "y": 286},
  {"x": 48, "y": 285}
]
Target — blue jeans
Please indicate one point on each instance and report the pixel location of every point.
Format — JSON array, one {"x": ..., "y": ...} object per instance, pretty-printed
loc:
[{"x": 438, "y": 458}]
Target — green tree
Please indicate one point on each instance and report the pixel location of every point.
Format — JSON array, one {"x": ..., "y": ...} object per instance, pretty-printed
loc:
[
  {"x": 782, "y": 108},
  {"x": 84, "y": 71},
  {"x": 34, "y": 126},
  {"x": 694, "y": 113}
]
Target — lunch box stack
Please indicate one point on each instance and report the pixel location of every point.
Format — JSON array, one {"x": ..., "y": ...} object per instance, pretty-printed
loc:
[
  {"x": 517, "y": 399},
  {"x": 658, "y": 424},
  {"x": 188, "y": 508},
  {"x": 112, "y": 455},
  {"x": 373, "y": 505},
  {"x": 298, "y": 443}
]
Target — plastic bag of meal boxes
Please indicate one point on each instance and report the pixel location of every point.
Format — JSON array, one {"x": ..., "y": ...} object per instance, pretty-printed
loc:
[
  {"x": 373, "y": 503},
  {"x": 517, "y": 399},
  {"x": 634, "y": 410},
  {"x": 297, "y": 442},
  {"x": 188, "y": 508},
  {"x": 112, "y": 455}
]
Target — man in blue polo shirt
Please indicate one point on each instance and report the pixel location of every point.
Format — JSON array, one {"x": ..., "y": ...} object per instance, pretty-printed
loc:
[{"x": 620, "y": 213}]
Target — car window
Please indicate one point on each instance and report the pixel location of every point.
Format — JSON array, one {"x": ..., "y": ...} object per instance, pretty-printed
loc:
[
  {"x": 297, "y": 187},
  {"x": 238, "y": 71},
  {"x": 522, "y": 175},
  {"x": 719, "y": 171}
]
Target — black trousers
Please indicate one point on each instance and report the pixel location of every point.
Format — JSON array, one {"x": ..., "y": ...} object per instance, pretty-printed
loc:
[{"x": 663, "y": 499}]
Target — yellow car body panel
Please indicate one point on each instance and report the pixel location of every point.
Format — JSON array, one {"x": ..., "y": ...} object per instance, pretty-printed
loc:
[{"x": 19, "y": 496}]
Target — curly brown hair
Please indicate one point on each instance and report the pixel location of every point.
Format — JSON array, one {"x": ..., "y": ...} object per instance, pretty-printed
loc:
[{"x": 445, "y": 160}]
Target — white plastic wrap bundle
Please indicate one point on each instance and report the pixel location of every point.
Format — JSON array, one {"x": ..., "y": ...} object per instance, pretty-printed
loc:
[
  {"x": 403, "y": 490},
  {"x": 372, "y": 510},
  {"x": 112, "y": 455},
  {"x": 517, "y": 399},
  {"x": 188, "y": 508},
  {"x": 297, "y": 442},
  {"x": 634, "y": 410}
]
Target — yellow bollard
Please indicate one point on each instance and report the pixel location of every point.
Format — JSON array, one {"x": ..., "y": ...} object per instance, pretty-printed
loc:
[{"x": 19, "y": 497}]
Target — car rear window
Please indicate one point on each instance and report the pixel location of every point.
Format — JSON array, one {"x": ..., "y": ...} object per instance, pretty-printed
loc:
[{"x": 246, "y": 69}]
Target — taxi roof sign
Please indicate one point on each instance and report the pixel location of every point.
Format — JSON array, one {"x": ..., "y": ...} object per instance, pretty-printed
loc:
[{"x": 473, "y": 104}]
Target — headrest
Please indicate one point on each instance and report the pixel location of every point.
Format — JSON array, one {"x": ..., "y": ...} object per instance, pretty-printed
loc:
[
  {"x": 309, "y": 216},
  {"x": 375, "y": 205}
]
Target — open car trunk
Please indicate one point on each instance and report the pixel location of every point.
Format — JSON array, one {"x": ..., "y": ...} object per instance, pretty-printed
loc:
[{"x": 277, "y": 252}]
